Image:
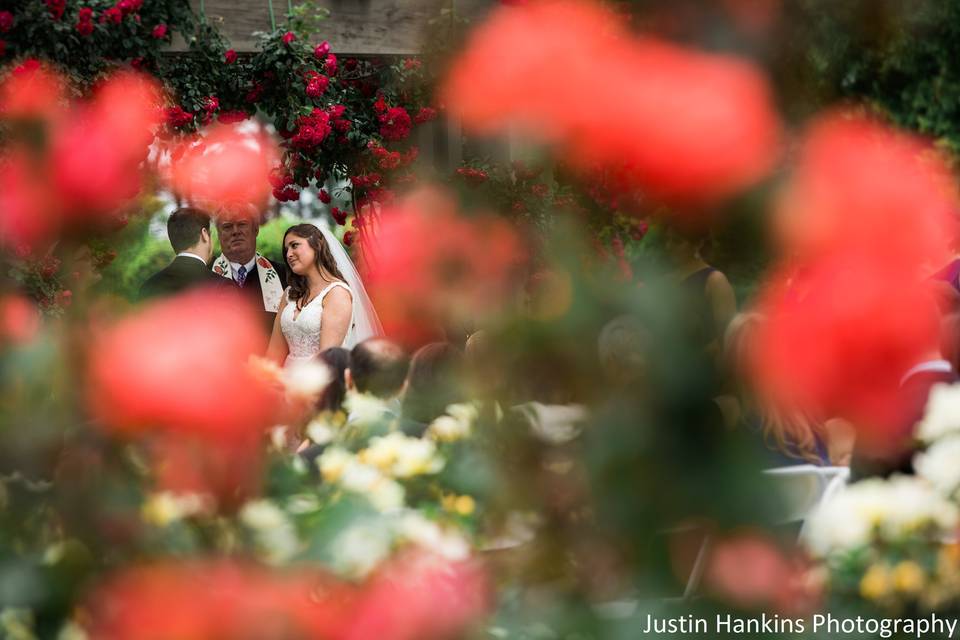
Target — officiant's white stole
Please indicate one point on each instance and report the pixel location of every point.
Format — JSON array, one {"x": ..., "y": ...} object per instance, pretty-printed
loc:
[{"x": 270, "y": 286}]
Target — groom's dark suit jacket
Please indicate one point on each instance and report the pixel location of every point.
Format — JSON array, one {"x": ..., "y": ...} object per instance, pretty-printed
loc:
[
  {"x": 251, "y": 288},
  {"x": 181, "y": 274}
]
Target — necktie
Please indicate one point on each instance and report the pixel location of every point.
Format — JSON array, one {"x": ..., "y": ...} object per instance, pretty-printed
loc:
[{"x": 241, "y": 275}]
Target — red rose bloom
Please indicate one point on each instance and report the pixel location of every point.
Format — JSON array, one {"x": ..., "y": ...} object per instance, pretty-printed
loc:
[
  {"x": 129, "y": 6},
  {"x": 232, "y": 117},
  {"x": 211, "y": 104},
  {"x": 330, "y": 65},
  {"x": 348, "y": 238},
  {"x": 380, "y": 105},
  {"x": 288, "y": 37},
  {"x": 230, "y": 56},
  {"x": 395, "y": 124},
  {"x": 177, "y": 117},
  {"x": 85, "y": 23},
  {"x": 340, "y": 217},
  {"x": 317, "y": 85},
  {"x": 113, "y": 14},
  {"x": 325, "y": 197},
  {"x": 6, "y": 21},
  {"x": 411, "y": 63},
  {"x": 321, "y": 50},
  {"x": 160, "y": 31},
  {"x": 56, "y": 8},
  {"x": 426, "y": 114}
]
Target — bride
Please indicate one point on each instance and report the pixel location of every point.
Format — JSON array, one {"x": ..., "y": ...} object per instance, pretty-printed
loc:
[{"x": 325, "y": 305}]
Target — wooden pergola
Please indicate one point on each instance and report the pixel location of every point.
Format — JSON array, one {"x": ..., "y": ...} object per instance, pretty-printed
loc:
[{"x": 355, "y": 27}]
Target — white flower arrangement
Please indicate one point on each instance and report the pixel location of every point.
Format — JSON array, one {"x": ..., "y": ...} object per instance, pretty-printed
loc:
[
  {"x": 942, "y": 415},
  {"x": 889, "y": 509},
  {"x": 164, "y": 508},
  {"x": 402, "y": 456},
  {"x": 939, "y": 465},
  {"x": 275, "y": 534},
  {"x": 364, "y": 408}
]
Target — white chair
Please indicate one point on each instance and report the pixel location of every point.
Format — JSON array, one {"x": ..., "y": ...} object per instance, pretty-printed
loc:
[{"x": 803, "y": 488}]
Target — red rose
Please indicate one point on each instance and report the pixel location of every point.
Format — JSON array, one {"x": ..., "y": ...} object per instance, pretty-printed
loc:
[
  {"x": 6, "y": 21},
  {"x": 426, "y": 114},
  {"x": 411, "y": 63},
  {"x": 317, "y": 85},
  {"x": 325, "y": 197},
  {"x": 211, "y": 104},
  {"x": 395, "y": 124},
  {"x": 113, "y": 14},
  {"x": 85, "y": 14},
  {"x": 336, "y": 111},
  {"x": 84, "y": 27},
  {"x": 230, "y": 56},
  {"x": 321, "y": 50},
  {"x": 56, "y": 8},
  {"x": 348, "y": 238},
  {"x": 177, "y": 117},
  {"x": 288, "y": 38},
  {"x": 380, "y": 105},
  {"x": 339, "y": 216},
  {"x": 129, "y": 6},
  {"x": 162, "y": 369},
  {"x": 330, "y": 65},
  {"x": 232, "y": 117},
  {"x": 160, "y": 31}
]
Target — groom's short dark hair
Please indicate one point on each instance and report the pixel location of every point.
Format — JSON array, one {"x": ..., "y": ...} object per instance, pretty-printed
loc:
[
  {"x": 378, "y": 367},
  {"x": 184, "y": 227}
]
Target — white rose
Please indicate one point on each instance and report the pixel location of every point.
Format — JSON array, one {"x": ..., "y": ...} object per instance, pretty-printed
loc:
[
  {"x": 332, "y": 463},
  {"x": 320, "y": 431},
  {"x": 364, "y": 408},
  {"x": 939, "y": 465},
  {"x": 942, "y": 415},
  {"x": 360, "y": 548},
  {"x": 275, "y": 534}
]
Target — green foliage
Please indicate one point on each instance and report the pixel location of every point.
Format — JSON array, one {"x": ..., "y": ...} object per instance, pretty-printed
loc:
[
  {"x": 140, "y": 254},
  {"x": 270, "y": 239}
]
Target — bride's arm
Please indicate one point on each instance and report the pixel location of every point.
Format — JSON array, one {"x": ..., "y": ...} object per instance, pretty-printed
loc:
[
  {"x": 337, "y": 312},
  {"x": 277, "y": 349}
]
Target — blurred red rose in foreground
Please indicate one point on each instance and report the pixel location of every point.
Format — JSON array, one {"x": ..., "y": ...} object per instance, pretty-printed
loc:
[
  {"x": 32, "y": 91},
  {"x": 421, "y": 596},
  {"x": 92, "y": 166},
  {"x": 181, "y": 365},
  {"x": 19, "y": 319},
  {"x": 750, "y": 571},
  {"x": 417, "y": 596},
  {"x": 860, "y": 186},
  {"x": 686, "y": 127},
  {"x": 868, "y": 213},
  {"x": 220, "y": 600},
  {"x": 229, "y": 166},
  {"x": 840, "y": 334},
  {"x": 429, "y": 266}
]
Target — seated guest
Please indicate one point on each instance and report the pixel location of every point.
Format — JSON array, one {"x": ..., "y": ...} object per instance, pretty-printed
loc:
[
  {"x": 189, "y": 233},
  {"x": 789, "y": 436},
  {"x": 337, "y": 359},
  {"x": 432, "y": 385},
  {"x": 377, "y": 367}
]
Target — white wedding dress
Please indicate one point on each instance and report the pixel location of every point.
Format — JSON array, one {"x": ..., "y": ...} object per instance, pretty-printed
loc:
[{"x": 301, "y": 329}]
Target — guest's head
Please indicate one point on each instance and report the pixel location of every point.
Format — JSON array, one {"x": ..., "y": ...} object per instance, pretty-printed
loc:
[
  {"x": 337, "y": 359},
  {"x": 622, "y": 345},
  {"x": 307, "y": 253},
  {"x": 378, "y": 367},
  {"x": 238, "y": 235},
  {"x": 189, "y": 230},
  {"x": 682, "y": 245},
  {"x": 432, "y": 382}
]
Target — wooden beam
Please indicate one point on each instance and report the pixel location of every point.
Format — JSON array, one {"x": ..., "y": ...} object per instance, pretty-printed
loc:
[{"x": 355, "y": 27}]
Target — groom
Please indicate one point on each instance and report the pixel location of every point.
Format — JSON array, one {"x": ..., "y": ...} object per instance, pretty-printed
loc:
[
  {"x": 259, "y": 278},
  {"x": 188, "y": 230}
]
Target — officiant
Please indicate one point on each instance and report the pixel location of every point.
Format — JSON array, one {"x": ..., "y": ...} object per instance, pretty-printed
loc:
[{"x": 260, "y": 278}]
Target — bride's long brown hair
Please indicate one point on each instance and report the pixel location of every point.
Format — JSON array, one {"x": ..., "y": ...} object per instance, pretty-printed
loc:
[{"x": 299, "y": 286}]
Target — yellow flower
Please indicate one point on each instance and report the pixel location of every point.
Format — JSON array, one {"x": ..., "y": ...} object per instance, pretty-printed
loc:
[
  {"x": 332, "y": 463},
  {"x": 461, "y": 505},
  {"x": 876, "y": 582},
  {"x": 909, "y": 577}
]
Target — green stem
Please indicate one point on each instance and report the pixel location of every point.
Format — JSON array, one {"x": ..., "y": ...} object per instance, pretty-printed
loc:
[
  {"x": 289, "y": 7},
  {"x": 273, "y": 20},
  {"x": 203, "y": 10}
]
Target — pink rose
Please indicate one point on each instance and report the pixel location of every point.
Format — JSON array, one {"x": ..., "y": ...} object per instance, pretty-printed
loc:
[
  {"x": 160, "y": 31},
  {"x": 230, "y": 56},
  {"x": 321, "y": 50},
  {"x": 288, "y": 37}
]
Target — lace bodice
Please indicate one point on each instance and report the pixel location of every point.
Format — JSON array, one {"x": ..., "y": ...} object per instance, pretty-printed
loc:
[{"x": 302, "y": 329}]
